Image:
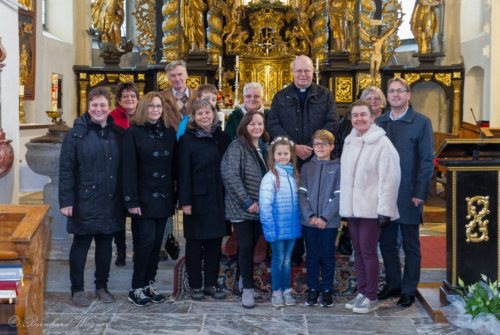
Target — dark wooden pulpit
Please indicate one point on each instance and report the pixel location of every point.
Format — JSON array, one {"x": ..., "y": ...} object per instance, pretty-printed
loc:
[{"x": 472, "y": 209}]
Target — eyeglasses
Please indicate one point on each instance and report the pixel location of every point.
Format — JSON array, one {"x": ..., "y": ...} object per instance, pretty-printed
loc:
[
  {"x": 155, "y": 106},
  {"x": 373, "y": 99},
  {"x": 399, "y": 90},
  {"x": 249, "y": 96},
  {"x": 131, "y": 96},
  {"x": 320, "y": 144}
]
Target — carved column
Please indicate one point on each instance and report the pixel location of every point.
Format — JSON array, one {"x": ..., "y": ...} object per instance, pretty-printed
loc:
[
  {"x": 170, "y": 28},
  {"x": 457, "y": 102},
  {"x": 320, "y": 33},
  {"x": 214, "y": 31}
]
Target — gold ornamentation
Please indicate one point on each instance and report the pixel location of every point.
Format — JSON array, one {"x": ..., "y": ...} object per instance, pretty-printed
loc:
[
  {"x": 126, "y": 77},
  {"x": 343, "y": 89},
  {"x": 444, "y": 78},
  {"x": 427, "y": 76},
  {"x": 83, "y": 75},
  {"x": 411, "y": 78},
  {"x": 457, "y": 75},
  {"x": 214, "y": 28},
  {"x": 364, "y": 80},
  {"x": 478, "y": 219},
  {"x": 318, "y": 13},
  {"x": 145, "y": 18},
  {"x": 107, "y": 19},
  {"x": 112, "y": 77},
  {"x": 170, "y": 30},
  {"x": 341, "y": 15},
  {"x": 193, "y": 23},
  {"x": 425, "y": 23},
  {"x": 457, "y": 103},
  {"x": 83, "y": 96},
  {"x": 193, "y": 82},
  {"x": 266, "y": 41},
  {"x": 96, "y": 79},
  {"x": 162, "y": 81},
  {"x": 141, "y": 86},
  {"x": 397, "y": 74},
  {"x": 141, "y": 76}
]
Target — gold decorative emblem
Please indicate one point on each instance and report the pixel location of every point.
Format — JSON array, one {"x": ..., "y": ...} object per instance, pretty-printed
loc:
[
  {"x": 162, "y": 81},
  {"x": 343, "y": 89},
  {"x": 444, "y": 78},
  {"x": 411, "y": 78},
  {"x": 365, "y": 80},
  {"x": 96, "y": 79},
  {"x": 427, "y": 76},
  {"x": 145, "y": 18},
  {"x": 477, "y": 221},
  {"x": 83, "y": 75},
  {"x": 112, "y": 77},
  {"x": 126, "y": 78},
  {"x": 193, "y": 82},
  {"x": 140, "y": 76},
  {"x": 457, "y": 75}
]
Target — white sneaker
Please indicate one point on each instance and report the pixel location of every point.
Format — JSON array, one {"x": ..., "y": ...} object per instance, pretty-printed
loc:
[
  {"x": 366, "y": 306},
  {"x": 277, "y": 299},
  {"x": 289, "y": 299},
  {"x": 357, "y": 299}
]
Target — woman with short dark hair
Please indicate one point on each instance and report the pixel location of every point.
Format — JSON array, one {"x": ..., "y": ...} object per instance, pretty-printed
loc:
[{"x": 90, "y": 192}]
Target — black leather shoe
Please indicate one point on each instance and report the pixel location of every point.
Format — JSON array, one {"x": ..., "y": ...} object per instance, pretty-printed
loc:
[
  {"x": 388, "y": 292},
  {"x": 406, "y": 300}
]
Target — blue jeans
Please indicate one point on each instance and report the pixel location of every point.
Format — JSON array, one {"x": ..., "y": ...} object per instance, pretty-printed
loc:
[
  {"x": 320, "y": 257},
  {"x": 281, "y": 265}
]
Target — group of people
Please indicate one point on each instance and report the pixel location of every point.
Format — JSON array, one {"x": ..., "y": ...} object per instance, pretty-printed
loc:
[{"x": 272, "y": 173}]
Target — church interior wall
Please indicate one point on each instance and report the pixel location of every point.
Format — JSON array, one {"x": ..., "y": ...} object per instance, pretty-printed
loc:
[{"x": 9, "y": 184}]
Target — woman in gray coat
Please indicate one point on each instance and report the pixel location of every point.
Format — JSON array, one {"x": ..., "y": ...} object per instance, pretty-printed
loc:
[{"x": 242, "y": 168}]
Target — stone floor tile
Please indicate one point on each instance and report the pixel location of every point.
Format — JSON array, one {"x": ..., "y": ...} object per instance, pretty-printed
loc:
[
  {"x": 360, "y": 324},
  {"x": 254, "y": 324},
  {"x": 75, "y": 324},
  {"x": 154, "y": 323}
]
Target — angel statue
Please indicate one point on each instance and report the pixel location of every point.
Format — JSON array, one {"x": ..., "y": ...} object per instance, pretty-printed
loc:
[
  {"x": 193, "y": 23},
  {"x": 107, "y": 19},
  {"x": 424, "y": 23}
]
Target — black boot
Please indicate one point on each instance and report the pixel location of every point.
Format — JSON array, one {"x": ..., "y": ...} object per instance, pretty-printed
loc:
[
  {"x": 120, "y": 259},
  {"x": 172, "y": 247}
]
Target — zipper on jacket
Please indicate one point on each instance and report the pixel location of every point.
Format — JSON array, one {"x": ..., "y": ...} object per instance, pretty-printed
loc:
[
  {"x": 318, "y": 214},
  {"x": 291, "y": 192}
]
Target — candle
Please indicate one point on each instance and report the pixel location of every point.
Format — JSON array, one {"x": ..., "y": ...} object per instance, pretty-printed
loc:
[
  {"x": 220, "y": 62},
  {"x": 237, "y": 61},
  {"x": 317, "y": 63},
  {"x": 21, "y": 90}
]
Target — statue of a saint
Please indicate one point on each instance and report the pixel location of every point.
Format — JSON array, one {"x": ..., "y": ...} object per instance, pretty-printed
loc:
[
  {"x": 23, "y": 64},
  {"x": 424, "y": 23},
  {"x": 107, "y": 18},
  {"x": 340, "y": 13},
  {"x": 193, "y": 23}
]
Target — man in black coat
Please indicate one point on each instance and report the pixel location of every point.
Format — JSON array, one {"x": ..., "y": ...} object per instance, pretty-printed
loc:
[{"x": 297, "y": 111}]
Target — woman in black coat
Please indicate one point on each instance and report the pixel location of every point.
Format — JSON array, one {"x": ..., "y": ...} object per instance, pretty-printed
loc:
[
  {"x": 201, "y": 195},
  {"x": 90, "y": 192},
  {"x": 148, "y": 190}
]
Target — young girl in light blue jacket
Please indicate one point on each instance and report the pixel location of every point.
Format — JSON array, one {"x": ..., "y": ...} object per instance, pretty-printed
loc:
[{"x": 280, "y": 215}]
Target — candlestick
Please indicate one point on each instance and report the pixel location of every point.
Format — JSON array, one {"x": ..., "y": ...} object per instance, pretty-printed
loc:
[
  {"x": 236, "y": 81},
  {"x": 220, "y": 62},
  {"x": 22, "y": 114},
  {"x": 317, "y": 63},
  {"x": 21, "y": 90},
  {"x": 237, "y": 61}
]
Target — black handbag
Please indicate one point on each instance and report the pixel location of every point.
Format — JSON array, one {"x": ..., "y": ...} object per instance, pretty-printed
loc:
[
  {"x": 172, "y": 247},
  {"x": 345, "y": 244}
]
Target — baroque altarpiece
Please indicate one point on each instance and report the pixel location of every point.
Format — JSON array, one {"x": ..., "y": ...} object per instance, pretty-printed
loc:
[{"x": 232, "y": 42}]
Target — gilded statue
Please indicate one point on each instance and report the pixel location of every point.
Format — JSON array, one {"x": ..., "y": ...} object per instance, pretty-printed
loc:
[
  {"x": 424, "y": 23},
  {"x": 233, "y": 14},
  {"x": 299, "y": 37},
  {"x": 377, "y": 43},
  {"x": 193, "y": 23},
  {"x": 340, "y": 13},
  {"x": 107, "y": 18},
  {"x": 23, "y": 64}
]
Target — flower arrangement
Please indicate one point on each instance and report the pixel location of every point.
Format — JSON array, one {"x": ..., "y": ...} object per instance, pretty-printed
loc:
[{"x": 481, "y": 297}]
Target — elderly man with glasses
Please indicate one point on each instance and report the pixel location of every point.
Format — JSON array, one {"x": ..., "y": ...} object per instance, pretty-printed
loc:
[{"x": 253, "y": 94}]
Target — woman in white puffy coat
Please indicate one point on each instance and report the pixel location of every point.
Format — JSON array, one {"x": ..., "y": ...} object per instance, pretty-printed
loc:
[{"x": 370, "y": 176}]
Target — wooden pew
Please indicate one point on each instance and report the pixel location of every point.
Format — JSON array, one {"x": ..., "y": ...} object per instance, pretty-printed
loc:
[{"x": 24, "y": 237}]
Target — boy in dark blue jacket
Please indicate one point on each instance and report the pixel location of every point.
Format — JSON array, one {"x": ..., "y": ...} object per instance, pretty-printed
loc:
[{"x": 319, "y": 203}]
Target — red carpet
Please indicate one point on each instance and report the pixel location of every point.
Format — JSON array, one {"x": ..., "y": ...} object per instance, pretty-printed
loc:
[{"x": 433, "y": 249}]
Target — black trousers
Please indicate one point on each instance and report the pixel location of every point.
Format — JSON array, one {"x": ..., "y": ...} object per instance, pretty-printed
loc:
[
  {"x": 121, "y": 246},
  {"x": 208, "y": 253},
  {"x": 390, "y": 252},
  {"x": 248, "y": 233},
  {"x": 147, "y": 235},
  {"x": 78, "y": 257}
]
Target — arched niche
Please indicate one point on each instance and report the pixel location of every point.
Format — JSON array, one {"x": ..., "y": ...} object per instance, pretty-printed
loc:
[
  {"x": 473, "y": 94},
  {"x": 429, "y": 98}
]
